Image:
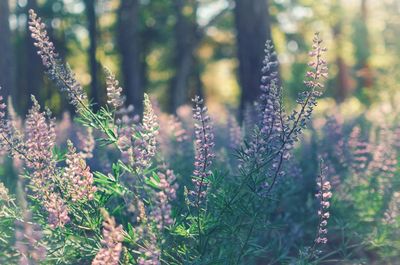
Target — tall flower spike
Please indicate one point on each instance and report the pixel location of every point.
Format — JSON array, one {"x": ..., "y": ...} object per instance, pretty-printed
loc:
[
  {"x": 146, "y": 144},
  {"x": 40, "y": 141},
  {"x": 161, "y": 213},
  {"x": 114, "y": 97},
  {"x": 269, "y": 103},
  {"x": 270, "y": 126},
  {"x": 307, "y": 99},
  {"x": 78, "y": 176},
  {"x": 56, "y": 70},
  {"x": 150, "y": 127},
  {"x": 324, "y": 195},
  {"x": 204, "y": 143},
  {"x": 112, "y": 242}
]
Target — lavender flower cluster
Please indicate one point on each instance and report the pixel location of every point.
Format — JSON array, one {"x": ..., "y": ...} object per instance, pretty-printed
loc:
[
  {"x": 77, "y": 176},
  {"x": 115, "y": 99},
  {"x": 324, "y": 195},
  {"x": 112, "y": 246},
  {"x": 204, "y": 142},
  {"x": 56, "y": 70}
]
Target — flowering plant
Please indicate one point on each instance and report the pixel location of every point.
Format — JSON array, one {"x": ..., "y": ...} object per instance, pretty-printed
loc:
[{"x": 136, "y": 209}]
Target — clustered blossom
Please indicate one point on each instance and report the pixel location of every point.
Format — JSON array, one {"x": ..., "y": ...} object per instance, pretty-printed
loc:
[
  {"x": 324, "y": 194},
  {"x": 40, "y": 139},
  {"x": 112, "y": 242},
  {"x": 204, "y": 143},
  {"x": 57, "y": 210},
  {"x": 56, "y": 70},
  {"x": 77, "y": 175},
  {"x": 268, "y": 130},
  {"x": 145, "y": 146},
  {"x": 308, "y": 99},
  {"x": 86, "y": 143},
  {"x": 274, "y": 137},
  {"x": 37, "y": 153},
  {"x": 114, "y": 97},
  {"x": 28, "y": 236},
  {"x": 149, "y": 127},
  {"x": 161, "y": 213},
  {"x": 270, "y": 95},
  {"x": 269, "y": 105},
  {"x": 39, "y": 144}
]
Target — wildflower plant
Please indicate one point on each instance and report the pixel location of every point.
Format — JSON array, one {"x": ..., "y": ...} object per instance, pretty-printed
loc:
[{"x": 140, "y": 210}]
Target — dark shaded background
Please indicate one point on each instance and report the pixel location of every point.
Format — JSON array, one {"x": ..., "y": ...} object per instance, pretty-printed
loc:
[{"x": 175, "y": 49}]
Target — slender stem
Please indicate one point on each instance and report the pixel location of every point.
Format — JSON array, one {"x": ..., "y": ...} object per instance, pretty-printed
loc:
[{"x": 247, "y": 239}]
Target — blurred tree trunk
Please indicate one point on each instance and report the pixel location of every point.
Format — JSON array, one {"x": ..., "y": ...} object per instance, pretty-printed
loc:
[
  {"x": 188, "y": 36},
  {"x": 344, "y": 83},
  {"x": 7, "y": 69},
  {"x": 366, "y": 74},
  {"x": 253, "y": 29},
  {"x": 90, "y": 7},
  {"x": 362, "y": 53},
  {"x": 186, "y": 43},
  {"x": 129, "y": 46}
]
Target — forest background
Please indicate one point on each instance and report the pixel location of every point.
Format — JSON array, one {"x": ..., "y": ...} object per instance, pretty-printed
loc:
[{"x": 214, "y": 48}]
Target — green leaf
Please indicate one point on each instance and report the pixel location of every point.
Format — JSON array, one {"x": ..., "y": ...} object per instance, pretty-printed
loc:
[
  {"x": 151, "y": 183},
  {"x": 156, "y": 177}
]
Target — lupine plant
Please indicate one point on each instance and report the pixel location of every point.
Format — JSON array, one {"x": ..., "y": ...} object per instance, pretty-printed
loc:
[{"x": 135, "y": 209}]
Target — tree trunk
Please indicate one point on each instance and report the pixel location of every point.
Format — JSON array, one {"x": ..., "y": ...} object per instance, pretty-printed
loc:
[
  {"x": 129, "y": 46},
  {"x": 344, "y": 83},
  {"x": 7, "y": 69},
  {"x": 253, "y": 29},
  {"x": 186, "y": 42},
  {"x": 366, "y": 75},
  {"x": 90, "y": 7},
  {"x": 362, "y": 49}
]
